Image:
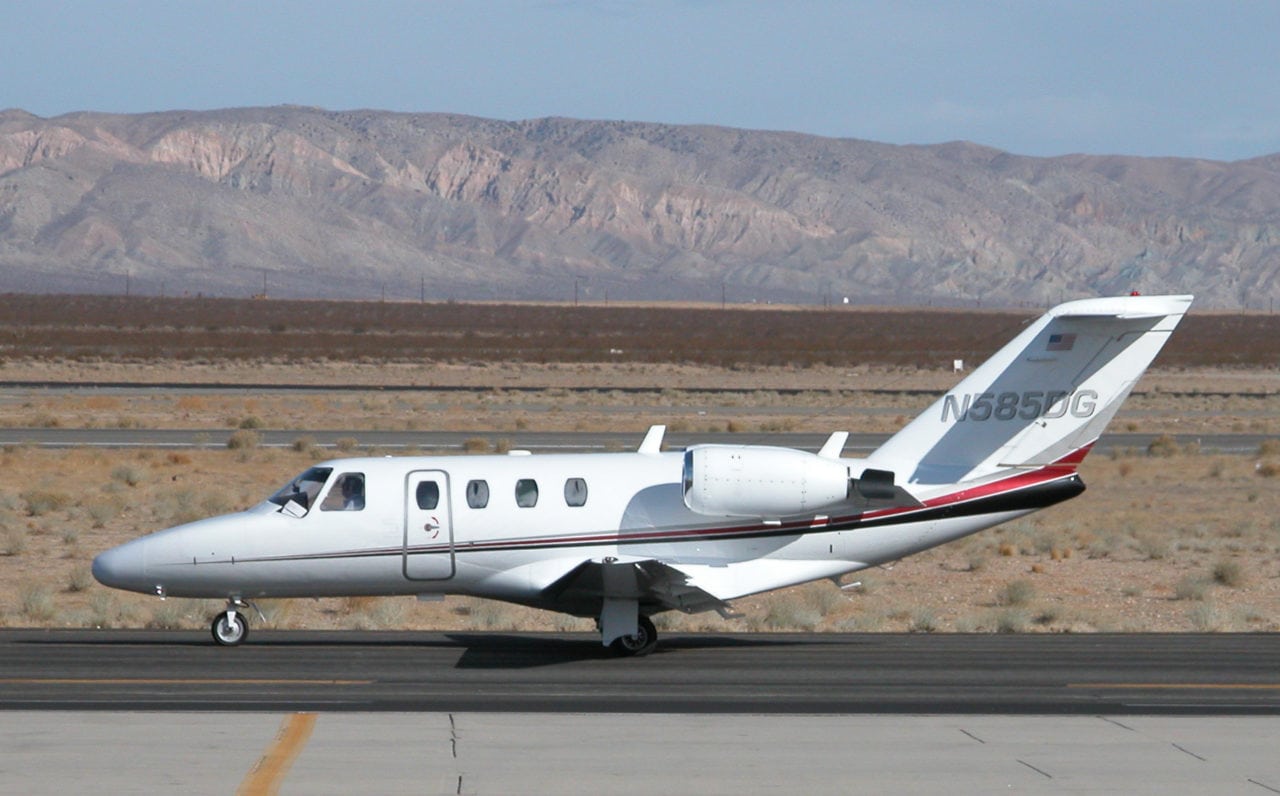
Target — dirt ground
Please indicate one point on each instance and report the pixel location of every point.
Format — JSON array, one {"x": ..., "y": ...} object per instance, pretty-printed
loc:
[{"x": 1164, "y": 540}]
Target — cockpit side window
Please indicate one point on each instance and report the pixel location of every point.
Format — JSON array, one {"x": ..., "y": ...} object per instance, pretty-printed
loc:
[{"x": 347, "y": 494}]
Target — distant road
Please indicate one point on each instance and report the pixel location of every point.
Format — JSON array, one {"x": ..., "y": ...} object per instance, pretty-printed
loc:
[
  {"x": 267, "y": 387},
  {"x": 539, "y": 442}
]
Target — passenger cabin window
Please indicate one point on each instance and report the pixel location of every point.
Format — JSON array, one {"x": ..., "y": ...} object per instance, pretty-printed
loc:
[
  {"x": 575, "y": 492},
  {"x": 477, "y": 494},
  {"x": 526, "y": 493},
  {"x": 347, "y": 494},
  {"x": 428, "y": 495}
]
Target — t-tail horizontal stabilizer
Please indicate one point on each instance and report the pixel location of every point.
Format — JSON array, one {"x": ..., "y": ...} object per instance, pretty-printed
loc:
[{"x": 1041, "y": 399}]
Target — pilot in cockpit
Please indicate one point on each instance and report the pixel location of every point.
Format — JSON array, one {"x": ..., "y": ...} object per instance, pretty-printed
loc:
[{"x": 352, "y": 492}]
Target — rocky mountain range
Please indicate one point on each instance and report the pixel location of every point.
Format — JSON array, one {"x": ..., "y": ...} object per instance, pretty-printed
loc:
[{"x": 304, "y": 202}]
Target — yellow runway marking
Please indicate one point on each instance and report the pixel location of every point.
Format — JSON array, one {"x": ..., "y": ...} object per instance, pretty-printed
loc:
[
  {"x": 265, "y": 777},
  {"x": 169, "y": 681},
  {"x": 1184, "y": 686}
]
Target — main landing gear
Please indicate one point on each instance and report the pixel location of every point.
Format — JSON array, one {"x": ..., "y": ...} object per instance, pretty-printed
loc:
[
  {"x": 230, "y": 628},
  {"x": 642, "y": 643}
]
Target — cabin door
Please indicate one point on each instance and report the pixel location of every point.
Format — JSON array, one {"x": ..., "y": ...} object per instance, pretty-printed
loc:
[{"x": 428, "y": 527}]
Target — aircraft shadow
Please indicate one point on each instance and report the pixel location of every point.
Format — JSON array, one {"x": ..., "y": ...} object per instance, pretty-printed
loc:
[
  {"x": 509, "y": 651},
  {"x": 479, "y": 650}
]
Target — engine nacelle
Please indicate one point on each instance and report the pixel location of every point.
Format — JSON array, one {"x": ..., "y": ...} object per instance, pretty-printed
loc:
[{"x": 760, "y": 481}]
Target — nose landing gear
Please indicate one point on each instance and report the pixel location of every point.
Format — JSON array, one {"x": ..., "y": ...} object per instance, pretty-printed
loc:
[{"x": 230, "y": 628}]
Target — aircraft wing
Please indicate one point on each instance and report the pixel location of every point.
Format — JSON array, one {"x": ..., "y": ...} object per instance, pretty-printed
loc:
[{"x": 655, "y": 585}]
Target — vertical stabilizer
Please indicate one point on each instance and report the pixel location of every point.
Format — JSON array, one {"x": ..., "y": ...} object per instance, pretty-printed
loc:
[{"x": 1043, "y": 397}]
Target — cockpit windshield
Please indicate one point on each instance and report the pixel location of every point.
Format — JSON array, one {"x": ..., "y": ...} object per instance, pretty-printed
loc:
[{"x": 303, "y": 489}]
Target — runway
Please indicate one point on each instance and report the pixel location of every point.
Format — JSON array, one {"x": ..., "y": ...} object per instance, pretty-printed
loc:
[{"x": 1177, "y": 674}]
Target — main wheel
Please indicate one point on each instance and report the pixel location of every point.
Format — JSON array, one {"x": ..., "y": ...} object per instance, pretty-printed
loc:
[
  {"x": 229, "y": 629},
  {"x": 642, "y": 643}
]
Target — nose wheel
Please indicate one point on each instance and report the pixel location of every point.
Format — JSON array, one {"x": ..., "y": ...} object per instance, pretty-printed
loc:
[{"x": 230, "y": 628}]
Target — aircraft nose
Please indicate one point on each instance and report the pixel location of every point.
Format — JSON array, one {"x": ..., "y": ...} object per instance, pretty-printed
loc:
[{"x": 122, "y": 567}]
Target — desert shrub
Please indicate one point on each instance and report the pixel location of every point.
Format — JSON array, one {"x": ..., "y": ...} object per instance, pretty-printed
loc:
[
  {"x": 1191, "y": 587},
  {"x": 386, "y": 613},
  {"x": 1164, "y": 445},
  {"x": 1048, "y": 615},
  {"x": 864, "y": 622},
  {"x": 490, "y": 615},
  {"x": 1152, "y": 547},
  {"x": 105, "y": 610},
  {"x": 790, "y": 612},
  {"x": 167, "y": 615},
  {"x": 41, "y": 502},
  {"x": 1228, "y": 573},
  {"x": 567, "y": 623},
  {"x": 1011, "y": 620},
  {"x": 1269, "y": 447},
  {"x": 923, "y": 620},
  {"x": 379, "y": 614},
  {"x": 102, "y": 512},
  {"x": 212, "y": 503},
  {"x": 476, "y": 445},
  {"x": 125, "y": 474},
  {"x": 346, "y": 444},
  {"x": 244, "y": 439},
  {"x": 250, "y": 422},
  {"x": 1268, "y": 469},
  {"x": 1205, "y": 618},
  {"x": 36, "y": 602},
  {"x": 1017, "y": 592},
  {"x": 81, "y": 580},
  {"x": 12, "y": 541},
  {"x": 304, "y": 444}
]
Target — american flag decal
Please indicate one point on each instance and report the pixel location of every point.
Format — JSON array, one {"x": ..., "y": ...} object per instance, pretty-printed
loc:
[{"x": 1061, "y": 342}]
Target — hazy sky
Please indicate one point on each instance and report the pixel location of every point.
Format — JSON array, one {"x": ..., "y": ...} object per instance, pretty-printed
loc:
[{"x": 1149, "y": 77}]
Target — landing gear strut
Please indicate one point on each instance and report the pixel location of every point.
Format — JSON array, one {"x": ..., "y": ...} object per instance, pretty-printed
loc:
[
  {"x": 642, "y": 643},
  {"x": 230, "y": 628}
]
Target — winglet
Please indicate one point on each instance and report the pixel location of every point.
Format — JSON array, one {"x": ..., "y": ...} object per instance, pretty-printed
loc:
[
  {"x": 834, "y": 444},
  {"x": 652, "y": 444}
]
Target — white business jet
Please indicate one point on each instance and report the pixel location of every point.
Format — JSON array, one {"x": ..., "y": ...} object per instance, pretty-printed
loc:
[{"x": 619, "y": 537}]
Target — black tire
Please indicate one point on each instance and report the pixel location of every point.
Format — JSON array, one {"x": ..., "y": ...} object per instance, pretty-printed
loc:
[
  {"x": 642, "y": 643},
  {"x": 228, "y": 633}
]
